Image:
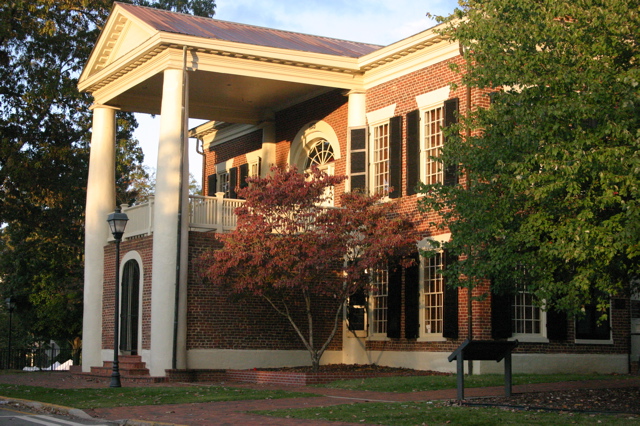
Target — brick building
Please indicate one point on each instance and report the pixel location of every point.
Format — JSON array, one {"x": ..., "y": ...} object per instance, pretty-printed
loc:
[{"x": 273, "y": 97}]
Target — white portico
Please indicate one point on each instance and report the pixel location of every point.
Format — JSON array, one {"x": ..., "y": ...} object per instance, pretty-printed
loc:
[{"x": 181, "y": 67}]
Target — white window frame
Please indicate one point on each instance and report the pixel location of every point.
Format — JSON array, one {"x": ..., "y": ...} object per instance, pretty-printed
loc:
[
  {"x": 380, "y": 293},
  {"x": 427, "y": 103},
  {"x": 378, "y": 120},
  {"x": 541, "y": 336},
  {"x": 428, "y": 244},
  {"x": 224, "y": 183},
  {"x": 608, "y": 341},
  {"x": 429, "y": 311}
]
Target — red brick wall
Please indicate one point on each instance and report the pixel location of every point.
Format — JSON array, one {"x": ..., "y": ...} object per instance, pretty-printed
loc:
[
  {"x": 217, "y": 319},
  {"x": 144, "y": 246},
  {"x": 224, "y": 152},
  {"x": 330, "y": 108}
]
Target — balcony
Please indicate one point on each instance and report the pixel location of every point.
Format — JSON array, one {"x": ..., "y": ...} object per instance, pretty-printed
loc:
[{"x": 206, "y": 214}]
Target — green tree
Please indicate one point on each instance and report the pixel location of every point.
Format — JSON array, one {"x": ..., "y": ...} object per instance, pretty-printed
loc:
[
  {"x": 44, "y": 149},
  {"x": 550, "y": 171}
]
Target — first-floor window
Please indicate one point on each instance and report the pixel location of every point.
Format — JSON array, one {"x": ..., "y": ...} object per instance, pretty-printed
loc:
[
  {"x": 433, "y": 294},
  {"x": 592, "y": 325},
  {"x": 526, "y": 316},
  {"x": 379, "y": 298}
]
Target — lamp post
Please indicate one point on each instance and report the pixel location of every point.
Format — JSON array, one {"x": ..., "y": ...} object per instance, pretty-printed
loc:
[
  {"x": 117, "y": 223},
  {"x": 10, "y": 306}
]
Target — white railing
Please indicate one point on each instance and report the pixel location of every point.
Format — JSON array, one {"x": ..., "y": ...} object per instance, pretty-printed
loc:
[{"x": 205, "y": 214}]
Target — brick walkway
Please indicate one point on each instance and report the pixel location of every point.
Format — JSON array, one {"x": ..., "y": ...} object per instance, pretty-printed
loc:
[{"x": 233, "y": 413}]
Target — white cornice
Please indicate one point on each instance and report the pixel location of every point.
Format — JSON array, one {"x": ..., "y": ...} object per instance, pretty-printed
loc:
[{"x": 439, "y": 52}]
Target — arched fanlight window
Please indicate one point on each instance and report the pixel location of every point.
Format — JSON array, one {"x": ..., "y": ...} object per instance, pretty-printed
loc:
[{"x": 320, "y": 154}]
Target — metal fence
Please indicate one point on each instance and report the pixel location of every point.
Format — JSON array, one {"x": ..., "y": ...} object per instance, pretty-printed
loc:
[{"x": 39, "y": 359}]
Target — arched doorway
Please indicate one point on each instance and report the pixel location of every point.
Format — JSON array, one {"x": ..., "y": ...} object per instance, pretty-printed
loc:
[{"x": 130, "y": 305}]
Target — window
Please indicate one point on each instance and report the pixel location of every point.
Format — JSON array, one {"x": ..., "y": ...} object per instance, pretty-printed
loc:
[
  {"x": 380, "y": 163},
  {"x": 379, "y": 300},
  {"x": 526, "y": 317},
  {"x": 433, "y": 142},
  {"x": 223, "y": 183},
  {"x": 254, "y": 168},
  {"x": 320, "y": 155},
  {"x": 591, "y": 328},
  {"x": 433, "y": 294}
]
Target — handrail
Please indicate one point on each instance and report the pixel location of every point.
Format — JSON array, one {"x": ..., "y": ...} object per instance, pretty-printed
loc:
[{"x": 205, "y": 214}]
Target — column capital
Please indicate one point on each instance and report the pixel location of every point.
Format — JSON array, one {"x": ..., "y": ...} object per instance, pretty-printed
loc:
[{"x": 97, "y": 105}]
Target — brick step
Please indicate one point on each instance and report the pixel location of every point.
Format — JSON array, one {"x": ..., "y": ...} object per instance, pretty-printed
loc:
[
  {"x": 124, "y": 372},
  {"x": 126, "y": 365}
]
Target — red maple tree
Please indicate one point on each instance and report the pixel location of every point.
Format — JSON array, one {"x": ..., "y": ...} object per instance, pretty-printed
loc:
[{"x": 290, "y": 247}]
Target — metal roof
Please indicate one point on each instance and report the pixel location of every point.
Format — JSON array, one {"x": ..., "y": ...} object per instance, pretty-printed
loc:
[{"x": 180, "y": 23}]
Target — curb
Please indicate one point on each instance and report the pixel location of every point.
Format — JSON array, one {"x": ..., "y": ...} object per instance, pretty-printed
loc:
[{"x": 78, "y": 413}]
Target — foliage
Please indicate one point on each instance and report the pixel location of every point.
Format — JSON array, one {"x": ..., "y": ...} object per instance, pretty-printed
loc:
[
  {"x": 289, "y": 248},
  {"x": 551, "y": 169},
  {"x": 132, "y": 396},
  {"x": 44, "y": 150}
]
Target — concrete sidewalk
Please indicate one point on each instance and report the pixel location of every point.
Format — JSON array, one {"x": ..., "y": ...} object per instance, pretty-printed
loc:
[{"x": 234, "y": 413}]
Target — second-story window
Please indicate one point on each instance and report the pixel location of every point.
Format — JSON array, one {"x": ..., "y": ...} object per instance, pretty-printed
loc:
[
  {"x": 432, "y": 145},
  {"x": 223, "y": 184},
  {"x": 380, "y": 157}
]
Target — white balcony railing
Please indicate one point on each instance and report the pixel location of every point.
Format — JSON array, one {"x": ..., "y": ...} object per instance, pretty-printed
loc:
[{"x": 205, "y": 214}]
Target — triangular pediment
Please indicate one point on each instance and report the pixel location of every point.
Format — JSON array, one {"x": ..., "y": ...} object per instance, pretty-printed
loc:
[{"x": 123, "y": 33}]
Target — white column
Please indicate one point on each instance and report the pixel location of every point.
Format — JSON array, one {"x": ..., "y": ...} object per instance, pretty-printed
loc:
[
  {"x": 101, "y": 200},
  {"x": 165, "y": 235},
  {"x": 357, "y": 109},
  {"x": 268, "y": 147}
]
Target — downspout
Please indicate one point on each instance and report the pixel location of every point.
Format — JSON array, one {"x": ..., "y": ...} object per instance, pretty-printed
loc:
[
  {"x": 199, "y": 145},
  {"x": 174, "y": 358},
  {"x": 470, "y": 288}
]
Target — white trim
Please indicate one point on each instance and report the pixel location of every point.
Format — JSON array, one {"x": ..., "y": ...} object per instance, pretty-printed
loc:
[
  {"x": 433, "y": 99},
  {"x": 224, "y": 166},
  {"x": 378, "y": 116},
  {"x": 305, "y": 140},
  {"x": 426, "y": 244},
  {"x": 133, "y": 255}
]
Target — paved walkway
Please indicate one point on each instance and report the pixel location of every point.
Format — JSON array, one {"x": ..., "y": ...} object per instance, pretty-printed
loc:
[{"x": 234, "y": 413}]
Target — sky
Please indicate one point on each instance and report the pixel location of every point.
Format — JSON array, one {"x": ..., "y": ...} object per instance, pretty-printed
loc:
[{"x": 370, "y": 21}]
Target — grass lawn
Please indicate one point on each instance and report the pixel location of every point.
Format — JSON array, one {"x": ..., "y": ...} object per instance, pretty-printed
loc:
[
  {"x": 438, "y": 413},
  {"x": 425, "y": 383},
  {"x": 128, "y": 396}
]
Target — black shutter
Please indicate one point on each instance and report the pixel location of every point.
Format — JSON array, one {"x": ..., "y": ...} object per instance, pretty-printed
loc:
[
  {"x": 233, "y": 182},
  {"x": 244, "y": 173},
  {"x": 358, "y": 159},
  {"x": 556, "y": 325},
  {"x": 394, "y": 300},
  {"x": 449, "y": 303},
  {"x": 450, "y": 117},
  {"x": 501, "y": 327},
  {"x": 413, "y": 151},
  {"x": 395, "y": 156},
  {"x": 212, "y": 183},
  {"x": 412, "y": 301}
]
